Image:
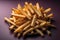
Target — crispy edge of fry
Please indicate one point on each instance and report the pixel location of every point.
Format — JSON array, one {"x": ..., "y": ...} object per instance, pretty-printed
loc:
[
  {"x": 20, "y": 28},
  {"x": 37, "y": 5},
  {"x": 33, "y": 20},
  {"x": 47, "y": 10},
  {"x": 19, "y": 6}
]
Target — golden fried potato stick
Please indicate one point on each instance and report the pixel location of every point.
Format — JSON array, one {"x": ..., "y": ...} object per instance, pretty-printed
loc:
[
  {"x": 18, "y": 15},
  {"x": 50, "y": 15},
  {"x": 33, "y": 20},
  {"x": 40, "y": 20},
  {"x": 37, "y": 12},
  {"x": 47, "y": 10},
  {"x": 37, "y": 5},
  {"x": 20, "y": 28},
  {"x": 40, "y": 32},
  {"x": 29, "y": 7},
  {"x": 43, "y": 24}
]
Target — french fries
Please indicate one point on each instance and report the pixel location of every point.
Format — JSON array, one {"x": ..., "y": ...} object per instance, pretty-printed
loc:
[
  {"x": 33, "y": 20},
  {"x": 29, "y": 7},
  {"x": 20, "y": 28},
  {"x": 30, "y": 19}
]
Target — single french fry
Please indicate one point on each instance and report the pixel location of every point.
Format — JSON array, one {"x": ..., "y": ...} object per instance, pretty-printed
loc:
[
  {"x": 37, "y": 5},
  {"x": 29, "y": 7},
  {"x": 47, "y": 10},
  {"x": 18, "y": 15},
  {"x": 37, "y": 12},
  {"x": 50, "y": 15},
  {"x": 11, "y": 27},
  {"x": 33, "y": 20},
  {"x": 40, "y": 20},
  {"x": 42, "y": 24},
  {"x": 40, "y": 32},
  {"x": 20, "y": 28}
]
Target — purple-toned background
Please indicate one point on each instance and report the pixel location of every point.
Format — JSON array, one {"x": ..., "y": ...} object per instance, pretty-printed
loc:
[{"x": 5, "y": 10}]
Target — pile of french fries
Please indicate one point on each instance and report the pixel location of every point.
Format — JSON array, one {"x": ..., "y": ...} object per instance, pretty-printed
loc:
[{"x": 30, "y": 19}]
